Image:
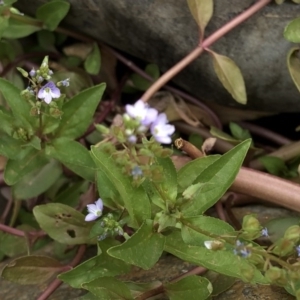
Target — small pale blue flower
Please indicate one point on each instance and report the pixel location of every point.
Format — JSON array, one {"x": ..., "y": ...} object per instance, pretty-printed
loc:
[
  {"x": 32, "y": 72},
  {"x": 40, "y": 79},
  {"x": 136, "y": 171},
  {"x": 48, "y": 92},
  {"x": 298, "y": 250},
  {"x": 264, "y": 232},
  {"x": 65, "y": 82},
  {"x": 95, "y": 210},
  {"x": 161, "y": 130},
  {"x": 132, "y": 139}
]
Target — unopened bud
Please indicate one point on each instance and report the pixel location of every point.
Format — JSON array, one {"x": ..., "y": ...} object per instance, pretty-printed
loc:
[
  {"x": 293, "y": 233},
  {"x": 23, "y": 72},
  {"x": 214, "y": 245},
  {"x": 276, "y": 276}
]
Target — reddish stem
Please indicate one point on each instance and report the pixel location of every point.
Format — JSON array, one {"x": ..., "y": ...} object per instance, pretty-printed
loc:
[
  {"x": 201, "y": 47},
  {"x": 56, "y": 282}
]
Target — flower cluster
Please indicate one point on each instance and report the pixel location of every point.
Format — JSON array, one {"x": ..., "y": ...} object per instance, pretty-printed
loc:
[
  {"x": 241, "y": 249},
  {"x": 36, "y": 89},
  {"x": 144, "y": 117}
]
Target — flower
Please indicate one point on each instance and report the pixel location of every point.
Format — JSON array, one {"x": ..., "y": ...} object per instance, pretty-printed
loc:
[
  {"x": 161, "y": 130},
  {"x": 95, "y": 210},
  {"x": 141, "y": 112},
  {"x": 49, "y": 91},
  {"x": 32, "y": 72},
  {"x": 264, "y": 232},
  {"x": 132, "y": 139},
  {"x": 241, "y": 250},
  {"x": 298, "y": 250},
  {"x": 136, "y": 171},
  {"x": 65, "y": 82}
]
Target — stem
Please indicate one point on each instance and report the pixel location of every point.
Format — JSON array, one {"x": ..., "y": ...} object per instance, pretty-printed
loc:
[
  {"x": 267, "y": 187},
  {"x": 202, "y": 46},
  {"x": 266, "y": 133},
  {"x": 56, "y": 282}
]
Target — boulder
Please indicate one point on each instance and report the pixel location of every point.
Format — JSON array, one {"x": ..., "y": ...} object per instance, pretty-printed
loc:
[{"x": 163, "y": 32}]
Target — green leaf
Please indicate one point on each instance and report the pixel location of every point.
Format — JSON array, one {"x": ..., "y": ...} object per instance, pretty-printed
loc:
[
  {"x": 31, "y": 269},
  {"x": 16, "y": 169},
  {"x": 292, "y": 31},
  {"x": 140, "y": 82},
  {"x": 12, "y": 245},
  {"x": 230, "y": 76},
  {"x": 169, "y": 180},
  {"x": 10, "y": 147},
  {"x": 108, "y": 288},
  {"x": 63, "y": 223},
  {"x": 196, "y": 139},
  {"x": 274, "y": 165},
  {"x": 18, "y": 29},
  {"x": 142, "y": 249},
  {"x": 71, "y": 193},
  {"x": 79, "y": 111},
  {"x": 9, "y": 2},
  {"x": 188, "y": 173},
  {"x": 108, "y": 192},
  {"x": 74, "y": 156},
  {"x": 220, "y": 282},
  {"x": 239, "y": 132},
  {"x": 153, "y": 194},
  {"x": 101, "y": 265},
  {"x": 52, "y": 13},
  {"x": 223, "y": 135},
  {"x": 92, "y": 63},
  {"x": 89, "y": 296},
  {"x": 277, "y": 227},
  {"x": 202, "y": 11},
  {"x": 135, "y": 200},
  {"x": 38, "y": 181},
  {"x": 224, "y": 262},
  {"x": 4, "y": 21},
  {"x": 196, "y": 230},
  {"x": 279, "y": 1},
  {"x": 46, "y": 39},
  {"x": 293, "y": 63},
  {"x": 137, "y": 288},
  {"x": 215, "y": 180},
  {"x": 19, "y": 107},
  {"x": 191, "y": 287}
]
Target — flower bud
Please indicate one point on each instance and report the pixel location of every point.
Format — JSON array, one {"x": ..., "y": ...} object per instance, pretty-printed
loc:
[
  {"x": 23, "y": 72},
  {"x": 214, "y": 245},
  {"x": 250, "y": 223},
  {"x": 293, "y": 233},
  {"x": 276, "y": 276},
  {"x": 283, "y": 247}
]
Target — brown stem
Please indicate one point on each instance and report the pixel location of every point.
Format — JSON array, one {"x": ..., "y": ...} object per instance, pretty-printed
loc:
[
  {"x": 21, "y": 233},
  {"x": 202, "y": 46},
  {"x": 266, "y": 133},
  {"x": 265, "y": 186}
]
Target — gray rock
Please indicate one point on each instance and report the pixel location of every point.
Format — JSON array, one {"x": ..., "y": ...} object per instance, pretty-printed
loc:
[{"x": 163, "y": 32}]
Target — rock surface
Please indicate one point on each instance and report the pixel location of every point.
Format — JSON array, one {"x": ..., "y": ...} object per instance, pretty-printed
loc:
[{"x": 163, "y": 32}]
